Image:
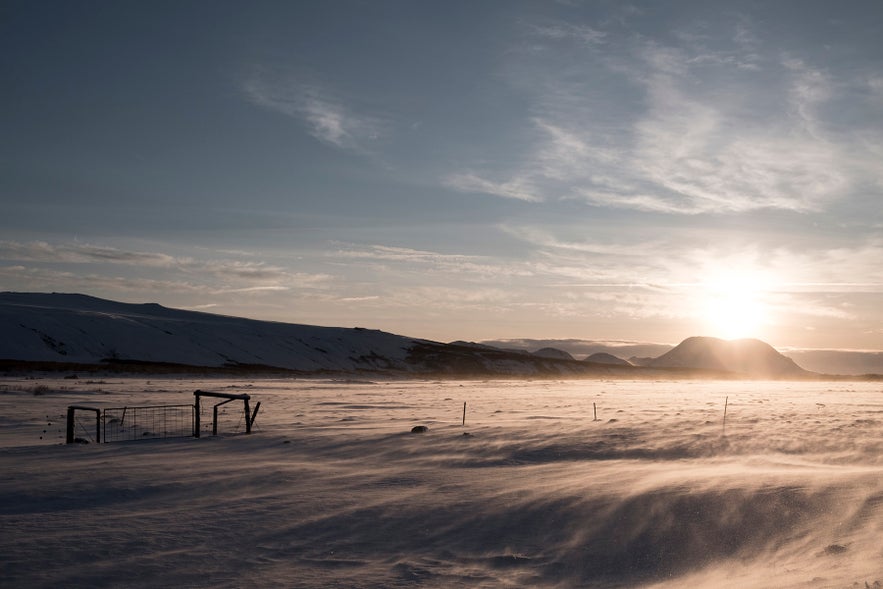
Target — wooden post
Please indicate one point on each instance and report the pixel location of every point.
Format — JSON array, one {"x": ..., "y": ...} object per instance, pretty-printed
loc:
[
  {"x": 595, "y": 409},
  {"x": 196, "y": 424},
  {"x": 71, "y": 422},
  {"x": 464, "y": 412},
  {"x": 247, "y": 418},
  {"x": 726, "y": 402},
  {"x": 70, "y": 425},
  {"x": 254, "y": 414}
]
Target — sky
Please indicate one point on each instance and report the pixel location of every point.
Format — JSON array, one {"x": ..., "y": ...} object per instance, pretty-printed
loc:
[{"x": 454, "y": 170}]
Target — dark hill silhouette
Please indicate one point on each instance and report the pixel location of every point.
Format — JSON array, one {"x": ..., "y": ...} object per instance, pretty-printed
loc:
[
  {"x": 747, "y": 357},
  {"x": 605, "y": 358},
  {"x": 553, "y": 353}
]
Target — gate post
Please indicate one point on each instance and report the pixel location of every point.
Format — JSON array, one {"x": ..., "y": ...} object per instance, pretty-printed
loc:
[
  {"x": 71, "y": 409},
  {"x": 70, "y": 425},
  {"x": 196, "y": 424}
]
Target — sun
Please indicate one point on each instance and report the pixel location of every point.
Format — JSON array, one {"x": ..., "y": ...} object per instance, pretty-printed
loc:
[{"x": 734, "y": 305}]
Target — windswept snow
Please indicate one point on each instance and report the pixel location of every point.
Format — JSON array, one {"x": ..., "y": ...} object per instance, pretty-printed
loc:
[{"x": 332, "y": 490}]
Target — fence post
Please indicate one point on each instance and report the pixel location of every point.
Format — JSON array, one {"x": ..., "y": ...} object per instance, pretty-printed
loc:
[
  {"x": 70, "y": 425},
  {"x": 254, "y": 415},
  {"x": 196, "y": 424},
  {"x": 71, "y": 422}
]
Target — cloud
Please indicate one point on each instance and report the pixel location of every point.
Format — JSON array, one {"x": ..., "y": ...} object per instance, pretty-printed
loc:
[
  {"x": 445, "y": 267},
  {"x": 251, "y": 271},
  {"x": 565, "y": 31},
  {"x": 41, "y": 251},
  {"x": 545, "y": 240},
  {"x": 519, "y": 188},
  {"x": 179, "y": 274},
  {"x": 359, "y": 299},
  {"x": 326, "y": 118},
  {"x": 703, "y": 157},
  {"x": 45, "y": 279},
  {"x": 691, "y": 153},
  {"x": 718, "y": 127},
  {"x": 258, "y": 289},
  {"x": 383, "y": 252}
]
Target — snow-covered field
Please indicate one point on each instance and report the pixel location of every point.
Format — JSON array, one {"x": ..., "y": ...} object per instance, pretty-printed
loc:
[{"x": 332, "y": 489}]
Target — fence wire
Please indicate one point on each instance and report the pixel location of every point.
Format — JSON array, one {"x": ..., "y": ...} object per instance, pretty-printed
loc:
[{"x": 144, "y": 423}]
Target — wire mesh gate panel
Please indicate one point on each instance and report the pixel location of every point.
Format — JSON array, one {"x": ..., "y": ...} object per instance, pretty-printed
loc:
[
  {"x": 145, "y": 423},
  {"x": 223, "y": 418}
]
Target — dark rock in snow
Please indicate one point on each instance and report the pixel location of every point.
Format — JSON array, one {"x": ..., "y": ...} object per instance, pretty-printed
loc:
[{"x": 419, "y": 429}]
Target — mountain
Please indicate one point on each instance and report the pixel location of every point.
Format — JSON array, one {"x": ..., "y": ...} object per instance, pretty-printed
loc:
[
  {"x": 79, "y": 329},
  {"x": 747, "y": 357}
]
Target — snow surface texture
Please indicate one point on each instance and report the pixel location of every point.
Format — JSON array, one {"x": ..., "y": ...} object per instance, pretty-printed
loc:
[{"x": 332, "y": 489}]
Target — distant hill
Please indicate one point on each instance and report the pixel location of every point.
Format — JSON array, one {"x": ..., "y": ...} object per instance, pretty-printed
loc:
[
  {"x": 855, "y": 362},
  {"x": 583, "y": 348},
  {"x": 605, "y": 358},
  {"x": 553, "y": 353},
  {"x": 831, "y": 362},
  {"x": 749, "y": 357}
]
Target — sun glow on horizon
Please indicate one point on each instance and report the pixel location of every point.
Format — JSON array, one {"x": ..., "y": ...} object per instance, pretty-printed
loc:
[{"x": 734, "y": 306}]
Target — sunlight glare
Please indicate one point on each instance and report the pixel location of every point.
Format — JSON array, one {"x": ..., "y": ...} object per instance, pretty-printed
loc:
[{"x": 734, "y": 305}]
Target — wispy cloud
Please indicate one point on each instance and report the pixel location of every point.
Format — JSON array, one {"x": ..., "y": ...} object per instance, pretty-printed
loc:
[
  {"x": 519, "y": 188},
  {"x": 566, "y": 31},
  {"x": 703, "y": 156},
  {"x": 47, "y": 263},
  {"x": 718, "y": 129},
  {"x": 328, "y": 119},
  {"x": 36, "y": 278},
  {"x": 41, "y": 251},
  {"x": 396, "y": 260}
]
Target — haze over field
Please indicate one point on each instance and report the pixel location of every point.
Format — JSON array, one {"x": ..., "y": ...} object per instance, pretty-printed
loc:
[{"x": 595, "y": 170}]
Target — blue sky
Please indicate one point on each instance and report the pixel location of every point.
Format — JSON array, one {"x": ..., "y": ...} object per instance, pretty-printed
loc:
[{"x": 454, "y": 170}]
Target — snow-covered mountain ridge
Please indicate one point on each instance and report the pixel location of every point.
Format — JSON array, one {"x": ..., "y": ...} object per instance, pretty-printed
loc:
[{"x": 82, "y": 329}]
